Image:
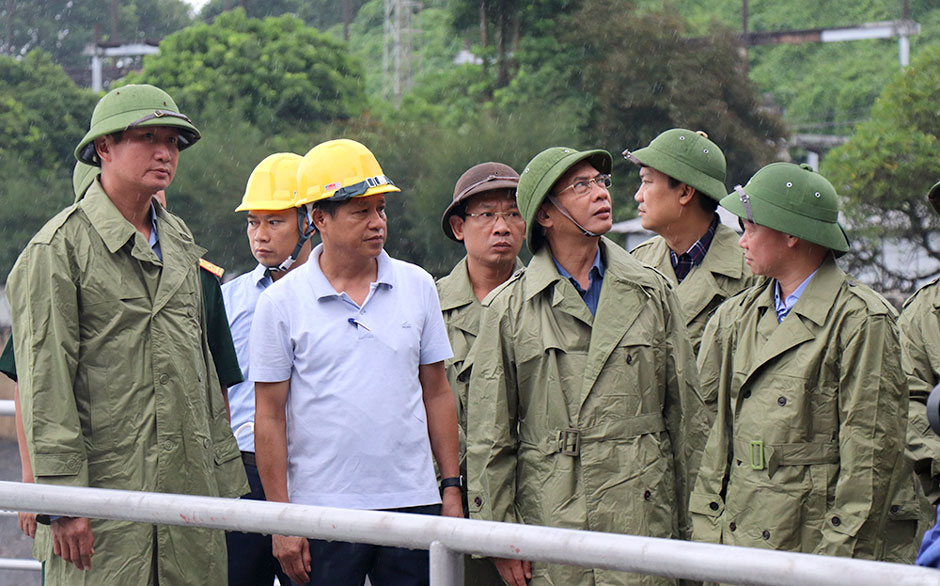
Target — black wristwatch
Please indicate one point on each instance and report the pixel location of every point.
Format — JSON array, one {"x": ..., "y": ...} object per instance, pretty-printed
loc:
[{"x": 452, "y": 481}]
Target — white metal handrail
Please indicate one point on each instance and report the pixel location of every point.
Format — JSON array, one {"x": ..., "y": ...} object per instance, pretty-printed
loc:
[
  {"x": 445, "y": 536},
  {"x": 7, "y": 408}
]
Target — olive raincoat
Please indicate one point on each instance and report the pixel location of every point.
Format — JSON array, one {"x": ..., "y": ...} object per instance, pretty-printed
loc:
[
  {"x": 581, "y": 421},
  {"x": 919, "y": 325},
  {"x": 811, "y": 419},
  {"x": 462, "y": 311},
  {"x": 722, "y": 274},
  {"x": 118, "y": 386}
]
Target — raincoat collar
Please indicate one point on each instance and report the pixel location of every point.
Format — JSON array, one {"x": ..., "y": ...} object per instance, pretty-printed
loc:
[
  {"x": 107, "y": 221},
  {"x": 456, "y": 290}
]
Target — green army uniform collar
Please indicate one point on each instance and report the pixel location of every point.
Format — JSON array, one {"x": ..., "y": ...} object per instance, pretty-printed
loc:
[
  {"x": 113, "y": 228},
  {"x": 814, "y": 304}
]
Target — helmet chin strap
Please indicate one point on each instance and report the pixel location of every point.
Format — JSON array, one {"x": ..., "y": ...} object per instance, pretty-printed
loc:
[
  {"x": 303, "y": 213},
  {"x": 565, "y": 213}
]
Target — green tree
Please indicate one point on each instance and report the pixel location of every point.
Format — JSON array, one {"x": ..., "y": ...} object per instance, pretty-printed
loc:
[
  {"x": 62, "y": 28},
  {"x": 43, "y": 115},
  {"x": 884, "y": 171},
  {"x": 275, "y": 73}
]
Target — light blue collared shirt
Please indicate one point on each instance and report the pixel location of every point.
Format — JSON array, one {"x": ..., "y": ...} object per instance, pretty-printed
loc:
[
  {"x": 783, "y": 306},
  {"x": 240, "y": 296},
  {"x": 592, "y": 294},
  {"x": 154, "y": 240}
]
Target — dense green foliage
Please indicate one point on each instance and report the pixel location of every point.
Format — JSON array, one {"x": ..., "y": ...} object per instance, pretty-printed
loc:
[
  {"x": 886, "y": 168},
  {"x": 276, "y": 73},
  {"x": 62, "y": 28},
  {"x": 43, "y": 115}
]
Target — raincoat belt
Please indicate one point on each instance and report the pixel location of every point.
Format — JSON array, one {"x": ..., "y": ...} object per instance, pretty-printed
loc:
[
  {"x": 568, "y": 441},
  {"x": 771, "y": 456}
]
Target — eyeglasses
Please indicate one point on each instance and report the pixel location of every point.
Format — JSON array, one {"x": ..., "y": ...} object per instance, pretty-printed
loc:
[
  {"x": 584, "y": 186},
  {"x": 490, "y": 217}
]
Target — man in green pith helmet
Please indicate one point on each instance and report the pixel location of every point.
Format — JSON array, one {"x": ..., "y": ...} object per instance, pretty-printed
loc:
[
  {"x": 117, "y": 383},
  {"x": 682, "y": 176},
  {"x": 919, "y": 325},
  {"x": 811, "y": 394},
  {"x": 583, "y": 410}
]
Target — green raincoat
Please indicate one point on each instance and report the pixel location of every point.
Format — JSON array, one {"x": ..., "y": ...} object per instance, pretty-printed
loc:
[
  {"x": 919, "y": 325},
  {"x": 581, "y": 421},
  {"x": 811, "y": 420},
  {"x": 118, "y": 386},
  {"x": 462, "y": 311},
  {"x": 722, "y": 274}
]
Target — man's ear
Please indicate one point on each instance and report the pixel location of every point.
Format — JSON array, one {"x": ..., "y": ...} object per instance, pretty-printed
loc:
[
  {"x": 542, "y": 217},
  {"x": 103, "y": 147},
  {"x": 319, "y": 219},
  {"x": 456, "y": 225},
  {"x": 687, "y": 193}
]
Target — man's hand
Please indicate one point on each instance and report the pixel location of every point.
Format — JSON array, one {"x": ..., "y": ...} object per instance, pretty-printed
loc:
[
  {"x": 514, "y": 572},
  {"x": 294, "y": 555},
  {"x": 451, "y": 505},
  {"x": 27, "y": 523},
  {"x": 72, "y": 541}
]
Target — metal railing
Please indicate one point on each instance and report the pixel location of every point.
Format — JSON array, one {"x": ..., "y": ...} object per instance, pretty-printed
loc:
[
  {"x": 446, "y": 538},
  {"x": 7, "y": 408}
]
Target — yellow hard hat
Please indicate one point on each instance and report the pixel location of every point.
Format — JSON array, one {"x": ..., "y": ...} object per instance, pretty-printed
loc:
[
  {"x": 272, "y": 185},
  {"x": 338, "y": 170}
]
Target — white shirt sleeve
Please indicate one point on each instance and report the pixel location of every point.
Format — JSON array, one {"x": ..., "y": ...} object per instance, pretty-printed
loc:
[{"x": 272, "y": 354}]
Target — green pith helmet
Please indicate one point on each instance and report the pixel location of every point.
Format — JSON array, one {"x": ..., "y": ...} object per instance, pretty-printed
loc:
[
  {"x": 688, "y": 157},
  {"x": 792, "y": 199},
  {"x": 541, "y": 174},
  {"x": 82, "y": 177},
  {"x": 134, "y": 106},
  {"x": 933, "y": 196}
]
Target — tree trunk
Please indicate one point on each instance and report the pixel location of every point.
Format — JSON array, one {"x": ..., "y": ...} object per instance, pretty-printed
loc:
[{"x": 8, "y": 46}]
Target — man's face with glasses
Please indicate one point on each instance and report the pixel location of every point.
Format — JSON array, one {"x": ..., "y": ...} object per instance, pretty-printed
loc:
[
  {"x": 491, "y": 229},
  {"x": 583, "y": 192}
]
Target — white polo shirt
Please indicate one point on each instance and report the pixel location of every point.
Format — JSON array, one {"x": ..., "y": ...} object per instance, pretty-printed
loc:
[{"x": 357, "y": 434}]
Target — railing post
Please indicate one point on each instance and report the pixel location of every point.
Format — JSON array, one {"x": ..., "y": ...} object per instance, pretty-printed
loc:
[{"x": 446, "y": 565}]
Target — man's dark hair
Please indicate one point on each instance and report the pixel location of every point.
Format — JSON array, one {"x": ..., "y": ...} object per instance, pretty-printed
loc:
[
  {"x": 707, "y": 204},
  {"x": 328, "y": 206}
]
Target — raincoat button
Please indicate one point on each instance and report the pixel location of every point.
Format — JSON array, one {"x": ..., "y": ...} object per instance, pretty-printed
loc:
[
  {"x": 164, "y": 378},
  {"x": 168, "y": 445},
  {"x": 629, "y": 358},
  {"x": 747, "y": 394},
  {"x": 478, "y": 501},
  {"x": 782, "y": 401},
  {"x": 836, "y": 521},
  {"x": 713, "y": 506},
  {"x": 647, "y": 495},
  {"x": 733, "y": 526},
  {"x": 895, "y": 509},
  {"x": 765, "y": 534},
  {"x": 205, "y": 443}
]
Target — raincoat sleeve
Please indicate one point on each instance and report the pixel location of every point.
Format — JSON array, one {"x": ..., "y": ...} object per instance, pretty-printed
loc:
[
  {"x": 686, "y": 418},
  {"x": 44, "y": 304},
  {"x": 491, "y": 421},
  {"x": 872, "y": 410},
  {"x": 920, "y": 339},
  {"x": 716, "y": 367}
]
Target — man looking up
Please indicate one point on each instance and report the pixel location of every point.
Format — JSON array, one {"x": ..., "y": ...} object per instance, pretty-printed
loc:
[
  {"x": 484, "y": 217},
  {"x": 582, "y": 409},
  {"x": 279, "y": 230},
  {"x": 812, "y": 398},
  {"x": 682, "y": 176},
  {"x": 350, "y": 349},
  {"x": 115, "y": 374}
]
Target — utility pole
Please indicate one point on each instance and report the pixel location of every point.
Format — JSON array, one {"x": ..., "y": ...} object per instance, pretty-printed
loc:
[{"x": 397, "y": 54}]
